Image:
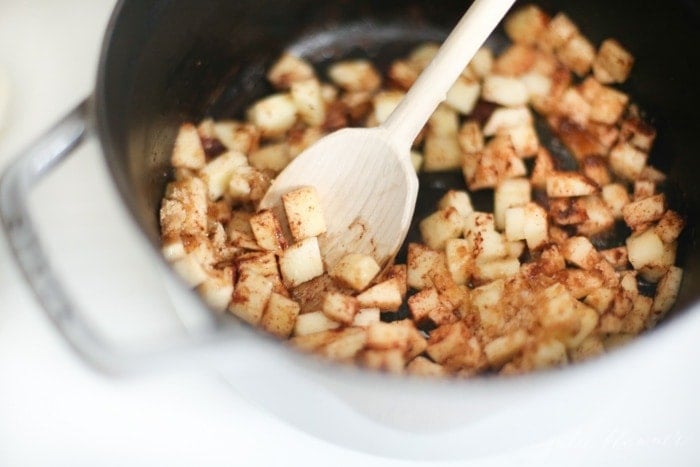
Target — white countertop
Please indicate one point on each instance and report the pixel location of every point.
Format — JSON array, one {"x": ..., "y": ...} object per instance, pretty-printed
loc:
[{"x": 56, "y": 411}]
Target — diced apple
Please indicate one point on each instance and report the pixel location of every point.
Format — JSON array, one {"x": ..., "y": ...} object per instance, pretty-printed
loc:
[
  {"x": 600, "y": 299},
  {"x": 617, "y": 257},
  {"x": 357, "y": 105},
  {"x": 524, "y": 139},
  {"x": 470, "y": 137},
  {"x": 397, "y": 272},
  {"x": 184, "y": 209},
  {"x": 385, "y": 295},
  {"x": 382, "y": 335},
  {"x": 426, "y": 306},
  {"x": 645, "y": 210},
  {"x": 591, "y": 347},
  {"x": 503, "y": 348},
  {"x": 515, "y": 249},
  {"x": 543, "y": 169},
  {"x": 482, "y": 62},
  {"x": 250, "y": 297},
  {"x": 504, "y": 90},
  {"x": 581, "y": 282},
  {"x": 496, "y": 269},
  {"x": 402, "y": 74},
  {"x": 577, "y": 54},
  {"x": 423, "y": 367},
  {"x": 457, "y": 199},
  {"x": 669, "y": 226},
  {"x": 487, "y": 296},
  {"x": 596, "y": 169},
  {"x": 538, "y": 84},
  {"x": 600, "y": 218},
  {"x": 498, "y": 161},
  {"x": 301, "y": 262},
  {"x": 172, "y": 248},
  {"x": 217, "y": 289},
  {"x": 487, "y": 244},
  {"x": 311, "y": 323},
  {"x": 463, "y": 95},
  {"x": 314, "y": 342},
  {"x": 188, "y": 151},
  {"x": 274, "y": 157},
  {"x": 574, "y": 107},
  {"x": 551, "y": 260},
  {"x": 280, "y": 315},
  {"x": 607, "y": 104},
  {"x": 268, "y": 231},
  {"x": 304, "y": 212},
  {"x": 567, "y": 211},
  {"x": 391, "y": 360},
  {"x": 416, "y": 160},
  {"x": 240, "y": 222},
  {"x": 248, "y": 184},
  {"x": 652, "y": 174},
  {"x": 190, "y": 269},
  {"x": 355, "y": 270},
  {"x": 559, "y": 30},
  {"x": 273, "y": 115},
  {"x": 441, "y": 152},
  {"x": 612, "y": 63},
  {"x": 638, "y": 133},
  {"x": 452, "y": 296},
  {"x": 262, "y": 264},
  {"x": 643, "y": 189},
  {"x": 580, "y": 252},
  {"x": 546, "y": 353},
  {"x": 444, "y": 121},
  {"x": 666, "y": 293},
  {"x": 653, "y": 271},
  {"x": 447, "y": 341},
  {"x": 421, "y": 262},
  {"x": 345, "y": 344},
  {"x": 627, "y": 161},
  {"x": 635, "y": 321},
  {"x": 510, "y": 193},
  {"x": 535, "y": 230},
  {"x": 441, "y": 226},
  {"x": 459, "y": 260},
  {"x": 289, "y": 69},
  {"x": 525, "y": 24},
  {"x": 340, "y": 307},
  {"x": 505, "y": 117},
  {"x": 616, "y": 198},
  {"x": 644, "y": 249},
  {"x": 237, "y": 136},
  {"x": 355, "y": 75},
  {"x": 309, "y": 101},
  {"x": 366, "y": 316},
  {"x": 515, "y": 60},
  {"x": 384, "y": 103},
  {"x": 559, "y": 311},
  {"x": 422, "y": 55}
]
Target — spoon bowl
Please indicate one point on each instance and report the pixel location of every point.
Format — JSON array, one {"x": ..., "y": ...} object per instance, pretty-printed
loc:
[
  {"x": 364, "y": 176},
  {"x": 368, "y": 194}
]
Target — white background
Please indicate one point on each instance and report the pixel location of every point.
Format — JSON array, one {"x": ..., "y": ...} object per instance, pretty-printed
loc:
[{"x": 56, "y": 411}]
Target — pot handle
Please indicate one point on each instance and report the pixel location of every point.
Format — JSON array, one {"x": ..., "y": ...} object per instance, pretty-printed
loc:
[{"x": 16, "y": 185}]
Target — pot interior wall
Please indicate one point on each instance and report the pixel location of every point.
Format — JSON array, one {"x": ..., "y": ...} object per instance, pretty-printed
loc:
[{"x": 165, "y": 62}]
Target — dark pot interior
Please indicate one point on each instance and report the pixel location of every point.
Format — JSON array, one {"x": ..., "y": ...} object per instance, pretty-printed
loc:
[{"x": 167, "y": 61}]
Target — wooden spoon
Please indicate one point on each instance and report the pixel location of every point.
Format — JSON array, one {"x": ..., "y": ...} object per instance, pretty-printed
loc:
[{"x": 364, "y": 176}]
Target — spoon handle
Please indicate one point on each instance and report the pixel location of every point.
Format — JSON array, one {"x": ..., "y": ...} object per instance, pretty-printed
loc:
[{"x": 430, "y": 89}]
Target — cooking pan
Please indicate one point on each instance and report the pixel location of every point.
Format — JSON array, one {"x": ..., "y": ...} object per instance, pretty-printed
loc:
[{"x": 168, "y": 61}]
